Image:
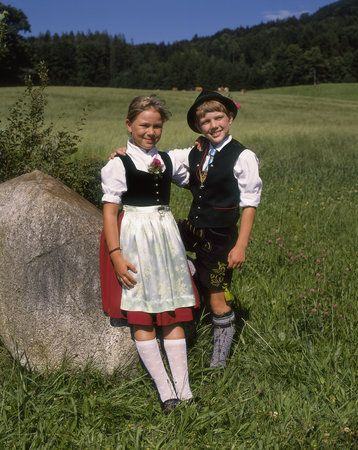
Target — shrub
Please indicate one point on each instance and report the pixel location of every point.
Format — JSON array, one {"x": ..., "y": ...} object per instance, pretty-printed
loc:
[
  {"x": 27, "y": 143},
  {"x": 3, "y": 32}
]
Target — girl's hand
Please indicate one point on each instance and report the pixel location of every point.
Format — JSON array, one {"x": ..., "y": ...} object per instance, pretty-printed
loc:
[
  {"x": 122, "y": 268},
  {"x": 121, "y": 151},
  {"x": 202, "y": 144}
]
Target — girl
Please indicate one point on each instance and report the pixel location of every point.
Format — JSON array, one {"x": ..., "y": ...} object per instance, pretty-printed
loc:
[{"x": 142, "y": 249}]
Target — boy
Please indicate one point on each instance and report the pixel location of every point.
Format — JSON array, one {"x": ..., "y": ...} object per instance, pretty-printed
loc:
[{"x": 222, "y": 179}]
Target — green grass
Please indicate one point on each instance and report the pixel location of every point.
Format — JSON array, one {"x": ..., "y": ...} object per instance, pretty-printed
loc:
[
  {"x": 342, "y": 91},
  {"x": 292, "y": 379}
]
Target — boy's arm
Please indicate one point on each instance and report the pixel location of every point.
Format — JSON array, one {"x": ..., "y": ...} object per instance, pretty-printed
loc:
[
  {"x": 236, "y": 257},
  {"x": 247, "y": 173}
]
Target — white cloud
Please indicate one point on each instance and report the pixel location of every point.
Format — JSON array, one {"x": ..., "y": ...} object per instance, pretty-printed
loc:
[{"x": 281, "y": 14}]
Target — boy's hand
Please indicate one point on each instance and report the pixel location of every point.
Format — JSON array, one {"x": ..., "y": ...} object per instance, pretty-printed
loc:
[
  {"x": 236, "y": 257},
  {"x": 202, "y": 144},
  {"x": 121, "y": 151}
]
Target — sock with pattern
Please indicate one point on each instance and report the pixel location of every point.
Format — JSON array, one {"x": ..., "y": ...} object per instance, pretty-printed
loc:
[{"x": 224, "y": 330}]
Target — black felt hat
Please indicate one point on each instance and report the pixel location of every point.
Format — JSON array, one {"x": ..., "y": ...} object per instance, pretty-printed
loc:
[{"x": 205, "y": 96}]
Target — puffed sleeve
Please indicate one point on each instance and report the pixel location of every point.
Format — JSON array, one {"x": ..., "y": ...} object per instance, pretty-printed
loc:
[
  {"x": 246, "y": 171},
  {"x": 114, "y": 183},
  {"x": 180, "y": 161}
]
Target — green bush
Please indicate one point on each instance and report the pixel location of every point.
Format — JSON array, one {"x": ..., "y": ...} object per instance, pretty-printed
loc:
[
  {"x": 3, "y": 32},
  {"x": 27, "y": 143}
]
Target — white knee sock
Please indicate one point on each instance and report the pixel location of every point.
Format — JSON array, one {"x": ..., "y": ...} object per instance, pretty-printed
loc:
[
  {"x": 150, "y": 355},
  {"x": 177, "y": 357}
]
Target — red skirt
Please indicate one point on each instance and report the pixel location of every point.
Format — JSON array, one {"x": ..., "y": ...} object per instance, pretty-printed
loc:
[{"x": 112, "y": 293}]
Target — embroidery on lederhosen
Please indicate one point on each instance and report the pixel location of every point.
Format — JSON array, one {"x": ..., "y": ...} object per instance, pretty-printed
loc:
[
  {"x": 217, "y": 275},
  {"x": 199, "y": 233}
]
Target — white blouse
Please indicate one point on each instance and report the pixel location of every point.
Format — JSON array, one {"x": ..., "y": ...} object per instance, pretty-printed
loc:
[{"x": 246, "y": 171}]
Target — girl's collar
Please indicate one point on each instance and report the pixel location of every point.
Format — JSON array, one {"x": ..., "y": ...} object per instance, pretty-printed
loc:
[{"x": 131, "y": 145}]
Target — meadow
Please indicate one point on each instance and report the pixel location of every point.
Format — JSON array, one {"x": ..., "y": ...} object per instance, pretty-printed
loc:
[{"x": 292, "y": 379}]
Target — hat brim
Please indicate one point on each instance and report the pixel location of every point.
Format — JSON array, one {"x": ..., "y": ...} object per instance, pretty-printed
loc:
[{"x": 209, "y": 96}]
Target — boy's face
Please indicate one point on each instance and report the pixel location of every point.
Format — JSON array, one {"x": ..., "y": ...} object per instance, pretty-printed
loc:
[{"x": 215, "y": 126}]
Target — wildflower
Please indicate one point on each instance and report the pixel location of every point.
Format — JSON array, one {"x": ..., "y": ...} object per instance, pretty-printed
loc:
[{"x": 279, "y": 242}]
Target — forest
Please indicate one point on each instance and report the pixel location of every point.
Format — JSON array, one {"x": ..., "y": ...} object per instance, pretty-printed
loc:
[{"x": 315, "y": 48}]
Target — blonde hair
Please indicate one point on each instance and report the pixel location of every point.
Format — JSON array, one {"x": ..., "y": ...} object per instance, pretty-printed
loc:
[
  {"x": 143, "y": 103},
  {"x": 210, "y": 106}
]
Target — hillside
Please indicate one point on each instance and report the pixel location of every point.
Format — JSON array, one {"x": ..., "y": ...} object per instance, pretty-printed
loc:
[
  {"x": 292, "y": 378},
  {"x": 317, "y": 48},
  {"x": 343, "y": 8}
]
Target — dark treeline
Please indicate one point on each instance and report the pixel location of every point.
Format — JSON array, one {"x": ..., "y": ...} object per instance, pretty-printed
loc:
[{"x": 321, "y": 47}]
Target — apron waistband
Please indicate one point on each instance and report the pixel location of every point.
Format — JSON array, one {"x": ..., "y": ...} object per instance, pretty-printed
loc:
[{"x": 146, "y": 209}]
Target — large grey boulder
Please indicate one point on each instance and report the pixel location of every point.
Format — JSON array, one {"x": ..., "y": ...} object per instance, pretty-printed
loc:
[{"x": 50, "y": 300}]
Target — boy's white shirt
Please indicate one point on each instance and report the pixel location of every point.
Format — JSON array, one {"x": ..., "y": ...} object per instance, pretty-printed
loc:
[{"x": 246, "y": 172}]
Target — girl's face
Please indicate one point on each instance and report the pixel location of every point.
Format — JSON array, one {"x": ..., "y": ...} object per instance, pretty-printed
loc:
[{"x": 146, "y": 128}]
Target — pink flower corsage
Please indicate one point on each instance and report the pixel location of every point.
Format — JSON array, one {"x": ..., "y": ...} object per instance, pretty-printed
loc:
[{"x": 156, "y": 167}]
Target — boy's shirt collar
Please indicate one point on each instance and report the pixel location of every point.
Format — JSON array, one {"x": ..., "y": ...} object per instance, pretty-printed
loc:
[
  {"x": 222, "y": 143},
  {"x": 210, "y": 155}
]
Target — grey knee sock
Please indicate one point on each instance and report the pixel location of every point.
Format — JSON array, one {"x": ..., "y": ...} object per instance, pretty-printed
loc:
[{"x": 224, "y": 330}]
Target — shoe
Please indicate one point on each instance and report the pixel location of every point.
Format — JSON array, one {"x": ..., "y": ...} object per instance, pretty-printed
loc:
[
  {"x": 190, "y": 402},
  {"x": 170, "y": 404}
]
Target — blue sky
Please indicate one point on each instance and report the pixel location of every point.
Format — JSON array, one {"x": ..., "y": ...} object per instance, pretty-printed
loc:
[{"x": 156, "y": 20}]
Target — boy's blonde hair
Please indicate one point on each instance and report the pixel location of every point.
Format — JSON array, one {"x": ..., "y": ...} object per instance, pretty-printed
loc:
[
  {"x": 210, "y": 106},
  {"x": 143, "y": 103}
]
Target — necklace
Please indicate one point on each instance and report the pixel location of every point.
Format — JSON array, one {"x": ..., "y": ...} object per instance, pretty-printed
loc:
[{"x": 203, "y": 173}]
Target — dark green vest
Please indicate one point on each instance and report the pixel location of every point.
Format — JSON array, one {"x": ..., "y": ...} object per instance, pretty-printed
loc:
[
  {"x": 147, "y": 189},
  {"x": 216, "y": 202}
]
